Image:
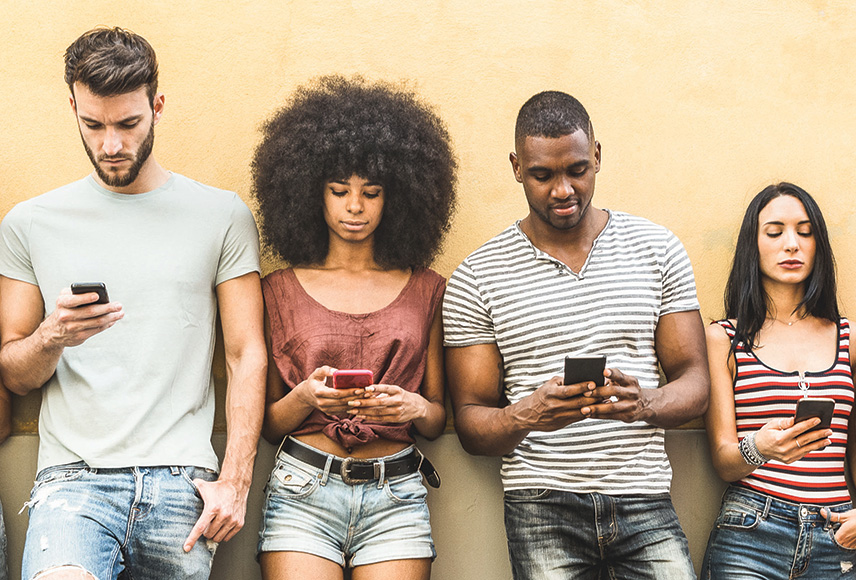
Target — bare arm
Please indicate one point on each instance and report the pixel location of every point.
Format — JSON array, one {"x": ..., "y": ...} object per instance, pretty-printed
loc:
[
  {"x": 30, "y": 344},
  {"x": 240, "y": 305},
  {"x": 776, "y": 439},
  {"x": 5, "y": 413},
  {"x": 483, "y": 426}
]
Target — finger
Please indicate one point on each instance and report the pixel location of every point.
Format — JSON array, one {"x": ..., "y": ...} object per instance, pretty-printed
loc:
[
  {"x": 803, "y": 426},
  {"x": 198, "y": 530},
  {"x": 616, "y": 376},
  {"x": 570, "y": 391}
]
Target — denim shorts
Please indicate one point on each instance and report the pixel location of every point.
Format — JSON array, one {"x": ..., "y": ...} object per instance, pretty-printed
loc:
[
  {"x": 560, "y": 535},
  {"x": 311, "y": 510},
  {"x": 757, "y": 536},
  {"x": 105, "y": 521},
  {"x": 4, "y": 569}
]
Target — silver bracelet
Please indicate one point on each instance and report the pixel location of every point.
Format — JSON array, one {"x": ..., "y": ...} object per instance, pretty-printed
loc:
[{"x": 749, "y": 451}]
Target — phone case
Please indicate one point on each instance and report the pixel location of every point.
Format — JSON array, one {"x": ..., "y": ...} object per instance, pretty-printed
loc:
[
  {"x": 352, "y": 379},
  {"x": 809, "y": 407},
  {"x": 86, "y": 287},
  {"x": 579, "y": 369}
]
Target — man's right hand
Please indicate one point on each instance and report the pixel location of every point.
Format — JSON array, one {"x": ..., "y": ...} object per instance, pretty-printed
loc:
[
  {"x": 76, "y": 318},
  {"x": 553, "y": 405}
]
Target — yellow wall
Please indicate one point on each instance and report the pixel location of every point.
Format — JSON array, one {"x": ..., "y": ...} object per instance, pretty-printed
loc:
[{"x": 697, "y": 105}]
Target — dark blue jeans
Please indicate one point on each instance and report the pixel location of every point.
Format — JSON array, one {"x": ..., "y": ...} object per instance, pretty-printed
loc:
[
  {"x": 758, "y": 537},
  {"x": 559, "y": 535}
]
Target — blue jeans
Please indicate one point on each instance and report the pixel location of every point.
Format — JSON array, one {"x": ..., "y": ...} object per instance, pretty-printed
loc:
[
  {"x": 558, "y": 535},
  {"x": 756, "y": 536},
  {"x": 4, "y": 570},
  {"x": 311, "y": 510},
  {"x": 107, "y": 521}
]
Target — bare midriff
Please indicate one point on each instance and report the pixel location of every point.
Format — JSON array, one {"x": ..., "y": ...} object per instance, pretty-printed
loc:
[{"x": 376, "y": 448}]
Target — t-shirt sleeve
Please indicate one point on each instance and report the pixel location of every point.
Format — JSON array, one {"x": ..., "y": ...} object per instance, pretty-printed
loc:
[
  {"x": 679, "y": 290},
  {"x": 240, "y": 253},
  {"x": 15, "y": 261},
  {"x": 466, "y": 319}
]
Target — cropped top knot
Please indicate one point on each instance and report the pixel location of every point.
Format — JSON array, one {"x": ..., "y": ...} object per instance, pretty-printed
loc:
[{"x": 391, "y": 342}]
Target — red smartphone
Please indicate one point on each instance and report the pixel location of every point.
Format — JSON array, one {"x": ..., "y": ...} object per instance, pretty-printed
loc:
[{"x": 352, "y": 379}]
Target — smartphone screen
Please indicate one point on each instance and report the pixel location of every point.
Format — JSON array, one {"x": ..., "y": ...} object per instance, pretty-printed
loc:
[
  {"x": 810, "y": 407},
  {"x": 86, "y": 287},
  {"x": 579, "y": 369},
  {"x": 352, "y": 379}
]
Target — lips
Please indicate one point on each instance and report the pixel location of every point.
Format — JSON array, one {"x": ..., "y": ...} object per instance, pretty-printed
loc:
[
  {"x": 791, "y": 264},
  {"x": 564, "y": 209},
  {"x": 354, "y": 225}
]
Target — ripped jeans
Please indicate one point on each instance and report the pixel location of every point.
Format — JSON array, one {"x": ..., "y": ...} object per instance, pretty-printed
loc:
[
  {"x": 106, "y": 521},
  {"x": 762, "y": 538}
]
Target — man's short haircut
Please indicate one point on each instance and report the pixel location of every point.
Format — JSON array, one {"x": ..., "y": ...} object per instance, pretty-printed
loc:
[
  {"x": 112, "y": 61},
  {"x": 551, "y": 114}
]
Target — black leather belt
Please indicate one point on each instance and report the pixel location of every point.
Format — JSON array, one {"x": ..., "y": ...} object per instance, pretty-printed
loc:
[{"x": 354, "y": 471}]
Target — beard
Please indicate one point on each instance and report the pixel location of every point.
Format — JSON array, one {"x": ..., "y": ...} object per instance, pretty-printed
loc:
[{"x": 138, "y": 159}]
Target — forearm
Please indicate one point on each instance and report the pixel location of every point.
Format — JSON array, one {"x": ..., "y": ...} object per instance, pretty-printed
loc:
[
  {"x": 284, "y": 416},
  {"x": 244, "y": 411},
  {"x": 729, "y": 463},
  {"x": 678, "y": 401},
  {"x": 488, "y": 430},
  {"x": 5, "y": 414},
  {"x": 432, "y": 424},
  {"x": 27, "y": 364}
]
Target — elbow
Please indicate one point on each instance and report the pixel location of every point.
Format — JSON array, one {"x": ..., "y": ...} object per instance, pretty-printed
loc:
[{"x": 5, "y": 431}]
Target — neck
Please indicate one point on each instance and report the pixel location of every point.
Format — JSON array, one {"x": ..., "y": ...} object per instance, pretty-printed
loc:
[
  {"x": 150, "y": 177},
  {"x": 352, "y": 256},
  {"x": 550, "y": 239},
  {"x": 784, "y": 299}
]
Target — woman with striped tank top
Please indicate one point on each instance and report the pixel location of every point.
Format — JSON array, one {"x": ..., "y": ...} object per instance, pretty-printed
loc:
[{"x": 787, "y": 512}]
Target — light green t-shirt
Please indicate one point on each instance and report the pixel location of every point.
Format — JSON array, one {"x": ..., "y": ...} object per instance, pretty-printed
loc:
[{"x": 141, "y": 392}]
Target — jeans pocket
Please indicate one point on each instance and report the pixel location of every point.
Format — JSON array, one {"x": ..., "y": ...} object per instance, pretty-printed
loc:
[
  {"x": 831, "y": 532},
  {"x": 190, "y": 473},
  {"x": 61, "y": 473},
  {"x": 735, "y": 516},
  {"x": 408, "y": 489},
  {"x": 291, "y": 482},
  {"x": 532, "y": 494}
]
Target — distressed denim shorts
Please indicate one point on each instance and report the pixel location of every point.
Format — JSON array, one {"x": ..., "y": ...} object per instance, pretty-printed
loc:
[
  {"x": 105, "y": 521},
  {"x": 312, "y": 510},
  {"x": 561, "y": 535},
  {"x": 757, "y": 536}
]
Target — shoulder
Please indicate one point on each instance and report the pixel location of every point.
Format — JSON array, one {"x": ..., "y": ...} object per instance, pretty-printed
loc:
[
  {"x": 54, "y": 200},
  {"x": 428, "y": 277},
  {"x": 277, "y": 277},
  {"x": 213, "y": 197},
  {"x": 638, "y": 229},
  {"x": 719, "y": 333}
]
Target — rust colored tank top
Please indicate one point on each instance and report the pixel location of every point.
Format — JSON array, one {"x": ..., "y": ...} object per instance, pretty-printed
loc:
[{"x": 391, "y": 342}]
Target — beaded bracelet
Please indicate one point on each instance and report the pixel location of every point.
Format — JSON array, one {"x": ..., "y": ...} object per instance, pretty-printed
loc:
[{"x": 749, "y": 451}]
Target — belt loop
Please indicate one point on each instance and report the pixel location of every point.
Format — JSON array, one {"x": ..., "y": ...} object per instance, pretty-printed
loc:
[
  {"x": 380, "y": 472},
  {"x": 173, "y": 469},
  {"x": 767, "y": 504},
  {"x": 326, "y": 475}
]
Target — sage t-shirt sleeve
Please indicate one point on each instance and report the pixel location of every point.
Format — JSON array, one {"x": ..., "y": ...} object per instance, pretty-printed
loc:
[
  {"x": 240, "y": 254},
  {"x": 15, "y": 259}
]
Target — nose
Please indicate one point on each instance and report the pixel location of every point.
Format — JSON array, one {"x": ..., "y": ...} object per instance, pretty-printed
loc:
[
  {"x": 563, "y": 187},
  {"x": 792, "y": 241},
  {"x": 354, "y": 202},
  {"x": 112, "y": 142}
]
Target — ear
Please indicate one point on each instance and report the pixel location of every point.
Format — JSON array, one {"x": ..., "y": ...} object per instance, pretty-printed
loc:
[
  {"x": 157, "y": 107},
  {"x": 596, "y": 156},
  {"x": 515, "y": 166},
  {"x": 73, "y": 106}
]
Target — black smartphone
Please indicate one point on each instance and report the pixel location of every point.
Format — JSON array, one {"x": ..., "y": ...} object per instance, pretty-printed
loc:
[
  {"x": 99, "y": 288},
  {"x": 821, "y": 407},
  {"x": 579, "y": 369}
]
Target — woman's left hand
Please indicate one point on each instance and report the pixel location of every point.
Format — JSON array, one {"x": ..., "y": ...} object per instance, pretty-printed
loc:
[
  {"x": 846, "y": 534},
  {"x": 388, "y": 404}
]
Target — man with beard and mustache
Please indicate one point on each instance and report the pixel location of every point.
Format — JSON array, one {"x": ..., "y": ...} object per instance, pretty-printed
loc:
[
  {"x": 585, "y": 472},
  {"x": 128, "y": 481}
]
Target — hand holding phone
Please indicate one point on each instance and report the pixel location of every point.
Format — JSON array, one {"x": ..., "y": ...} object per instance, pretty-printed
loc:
[
  {"x": 352, "y": 378},
  {"x": 86, "y": 287}
]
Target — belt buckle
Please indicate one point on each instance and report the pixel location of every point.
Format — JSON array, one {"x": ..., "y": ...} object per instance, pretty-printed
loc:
[{"x": 345, "y": 471}]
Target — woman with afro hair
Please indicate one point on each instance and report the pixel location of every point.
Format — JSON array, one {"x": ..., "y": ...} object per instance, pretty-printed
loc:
[{"x": 355, "y": 185}]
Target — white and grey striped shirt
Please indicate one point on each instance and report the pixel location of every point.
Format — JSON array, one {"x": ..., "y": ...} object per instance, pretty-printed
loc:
[{"x": 537, "y": 311}]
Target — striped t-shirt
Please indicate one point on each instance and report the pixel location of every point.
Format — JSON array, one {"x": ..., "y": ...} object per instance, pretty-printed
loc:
[
  {"x": 537, "y": 311},
  {"x": 762, "y": 393}
]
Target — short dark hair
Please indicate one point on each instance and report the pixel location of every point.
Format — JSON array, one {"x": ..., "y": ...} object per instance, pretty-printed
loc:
[
  {"x": 745, "y": 299},
  {"x": 335, "y": 127},
  {"x": 551, "y": 114},
  {"x": 112, "y": 61}
]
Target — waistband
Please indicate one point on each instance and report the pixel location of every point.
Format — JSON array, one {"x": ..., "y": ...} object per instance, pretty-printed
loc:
[
  {"x": 768, "y": 505},
  {"x": 354, "y": 471}
]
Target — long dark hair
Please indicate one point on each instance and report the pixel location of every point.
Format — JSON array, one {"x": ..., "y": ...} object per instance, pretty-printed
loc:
[{"x": 745, "y": 298}]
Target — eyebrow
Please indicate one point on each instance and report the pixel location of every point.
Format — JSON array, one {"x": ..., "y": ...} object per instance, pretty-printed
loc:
[
  {"x": 582, "y": 163},
  {"x": 778, "y": 223},
  {"x": 130, "y": 119},
  {"x": 345, "y": 182}
]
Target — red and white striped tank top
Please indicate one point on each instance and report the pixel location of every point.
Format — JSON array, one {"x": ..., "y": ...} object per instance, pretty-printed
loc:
[{"x": 762, "y": 393}]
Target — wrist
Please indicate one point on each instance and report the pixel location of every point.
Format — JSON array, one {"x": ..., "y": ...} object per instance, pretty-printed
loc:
[{"x": 749, "y": 451}]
